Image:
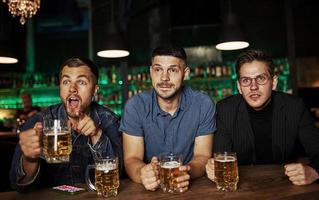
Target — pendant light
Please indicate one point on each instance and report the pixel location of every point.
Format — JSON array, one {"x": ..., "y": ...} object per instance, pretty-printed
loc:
[
  {"x": 7, "y": 55},
  {"x": 114, "y": 44},
  {"x": 231, "y": 36}
]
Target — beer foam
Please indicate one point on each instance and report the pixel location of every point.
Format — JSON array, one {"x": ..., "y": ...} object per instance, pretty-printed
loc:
[
  {"x": 225, "y": 159},
  {"x": 105, "y": 167},
  {"x": 171, "y": 164},
  {"x": 58, "y": 133}
]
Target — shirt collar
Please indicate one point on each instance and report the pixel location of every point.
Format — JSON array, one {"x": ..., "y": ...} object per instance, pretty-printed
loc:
[{"x": 94, "y": 113}]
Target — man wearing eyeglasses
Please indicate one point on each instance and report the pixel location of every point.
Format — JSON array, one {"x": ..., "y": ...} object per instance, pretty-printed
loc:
[{"x": 264, "y": 126}]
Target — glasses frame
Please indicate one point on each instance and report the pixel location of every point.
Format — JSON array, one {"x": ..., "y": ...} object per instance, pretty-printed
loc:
[{"x": 268, "y": 77}]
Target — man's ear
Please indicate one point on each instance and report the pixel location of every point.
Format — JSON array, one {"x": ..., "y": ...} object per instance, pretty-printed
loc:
[
  {"x": 274, "y": 82},
  {"x": 96, "y": 89},
  {"x": 186, "y": 73},
  {"x": 238, "y": 87}
]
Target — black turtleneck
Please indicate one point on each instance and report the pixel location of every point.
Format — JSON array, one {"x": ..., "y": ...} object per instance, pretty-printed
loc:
[{"x": 261, "y": 124}]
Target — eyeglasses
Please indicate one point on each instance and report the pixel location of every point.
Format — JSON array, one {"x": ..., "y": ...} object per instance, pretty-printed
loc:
[{"x": 261, "y": 79}]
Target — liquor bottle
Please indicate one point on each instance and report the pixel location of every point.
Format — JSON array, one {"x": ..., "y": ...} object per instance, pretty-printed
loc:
[
  {"x": 212, "y": 70},
  {"x": 218, "y": 71}
]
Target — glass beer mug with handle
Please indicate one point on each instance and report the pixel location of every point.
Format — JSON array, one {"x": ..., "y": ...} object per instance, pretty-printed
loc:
[
  {"x": 226, "y": 171},
  {"x": 106, "y": 177},
  {"x": 57, "y": 140},
  {"x": 169, "y": 171}
]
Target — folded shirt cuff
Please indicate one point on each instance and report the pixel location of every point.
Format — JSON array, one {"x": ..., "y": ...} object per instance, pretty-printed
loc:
[{"x": 21, "y": 174}]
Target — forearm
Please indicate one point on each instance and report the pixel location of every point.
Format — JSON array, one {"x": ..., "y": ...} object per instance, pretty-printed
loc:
[
  {"x": 133, "y": 168},
  {"x": 30, "y": 168},
  {"x": 197, "y": 165}
]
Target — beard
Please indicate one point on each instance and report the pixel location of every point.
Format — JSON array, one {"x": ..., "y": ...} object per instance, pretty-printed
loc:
[{"x": 169, "y": 94}]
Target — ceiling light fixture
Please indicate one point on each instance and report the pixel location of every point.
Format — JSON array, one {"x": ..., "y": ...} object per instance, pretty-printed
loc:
[
  {"x": 231, "y": 36},
  {"x": 114, "y": 45},
  {"x": 23, "y": 8},
  {"x": 7, "y": 55},
  {"x": 8, "y": 60}
]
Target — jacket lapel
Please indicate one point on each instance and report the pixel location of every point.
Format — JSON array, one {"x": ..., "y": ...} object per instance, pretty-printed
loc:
[{"x": 278, "y": 128}]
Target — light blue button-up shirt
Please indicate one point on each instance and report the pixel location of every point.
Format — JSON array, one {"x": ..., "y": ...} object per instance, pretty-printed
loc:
[{"x": 163, "y": 133}]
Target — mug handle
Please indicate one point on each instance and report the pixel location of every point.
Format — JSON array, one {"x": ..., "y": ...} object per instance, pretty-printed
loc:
[{"x": 87, "y": 177}]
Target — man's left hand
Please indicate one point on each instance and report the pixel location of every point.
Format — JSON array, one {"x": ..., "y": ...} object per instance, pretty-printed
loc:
[
  {"x": 300, "y": 174},
  {"x": 183, "y": 179}
]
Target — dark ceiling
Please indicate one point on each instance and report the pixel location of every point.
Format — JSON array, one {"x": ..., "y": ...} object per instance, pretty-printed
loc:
[{"x": 61, "y": 27}]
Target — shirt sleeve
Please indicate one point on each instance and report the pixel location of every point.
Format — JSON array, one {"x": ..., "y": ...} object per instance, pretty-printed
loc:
[
  {"x": 207, "y": 118},
  {"x": 17, "y": 172},
  {"x": 131, "y": 121}
]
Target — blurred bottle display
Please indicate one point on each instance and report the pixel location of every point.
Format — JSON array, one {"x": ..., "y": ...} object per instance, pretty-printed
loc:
[
  {"x": 282, "y": 71},
  {"x": 214, "y": 79},
  {"x": 218, "y": 80},
  {"x": 139, "y": 80}
]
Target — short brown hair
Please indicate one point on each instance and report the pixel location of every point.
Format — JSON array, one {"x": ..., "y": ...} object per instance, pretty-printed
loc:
[
  {"x": 177, "y": 52},
  {"x": 255, "y": 55},
  {"x": 77, "y": 62}
]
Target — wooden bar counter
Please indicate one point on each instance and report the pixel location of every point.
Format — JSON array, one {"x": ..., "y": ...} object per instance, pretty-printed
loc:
[{"x": 256, "y": 182}]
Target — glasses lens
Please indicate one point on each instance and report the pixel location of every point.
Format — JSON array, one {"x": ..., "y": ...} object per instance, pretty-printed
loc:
[
  {"x": 261, "y": 79},
  {"x": 245, "y": 81}
]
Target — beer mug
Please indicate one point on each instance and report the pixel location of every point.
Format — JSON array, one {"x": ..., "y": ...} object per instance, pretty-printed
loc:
[
  {"x": 57, "y": 141},
  {"x": 226, "y": 171},
  {"x": 107, "y": 180},
  {"x": 169, "y": 171}
]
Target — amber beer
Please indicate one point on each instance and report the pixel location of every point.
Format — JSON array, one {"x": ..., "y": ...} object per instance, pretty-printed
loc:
[
  {"x": 57, "y": 146},
  {"x": 107, "y": 180},
  {"x": 169, "y": 171},
  {"x": 226, "y": 171},
  {"x": 57, "y": 142}
]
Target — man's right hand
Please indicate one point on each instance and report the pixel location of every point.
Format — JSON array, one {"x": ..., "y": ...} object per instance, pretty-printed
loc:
[
  {"x": 150, "y": 175},
  {"x": 30, "y": 142},
  {"x": 210, "y": 169}
]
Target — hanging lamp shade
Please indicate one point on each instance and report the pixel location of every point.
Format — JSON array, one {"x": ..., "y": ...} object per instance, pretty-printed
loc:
[
  {"x": 7, "y": 55},
  {"x": 8, "y": 60},
  {"x": 231, "y": 36},
  {"x": 114, "y": 44}
]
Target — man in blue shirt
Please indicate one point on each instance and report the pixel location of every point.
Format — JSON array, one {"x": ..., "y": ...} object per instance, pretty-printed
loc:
[
  {"x": 171, "y": 118},
  {"x": 94, "y": 132}
]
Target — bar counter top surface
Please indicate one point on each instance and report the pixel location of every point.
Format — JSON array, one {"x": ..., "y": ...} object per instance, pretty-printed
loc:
[
  {"x": 8, "y": 134},
  {"x": 255, "y": 182}
]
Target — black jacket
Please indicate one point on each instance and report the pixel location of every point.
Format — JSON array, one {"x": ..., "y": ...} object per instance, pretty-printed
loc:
[{"x": 293, "y": 130}]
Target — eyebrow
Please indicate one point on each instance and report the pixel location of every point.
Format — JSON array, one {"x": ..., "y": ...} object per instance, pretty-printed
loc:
[
  {"x": 170, "y": 66},
  {"x": 80, "y": 76},
  {"x": 255, "y": 76}
]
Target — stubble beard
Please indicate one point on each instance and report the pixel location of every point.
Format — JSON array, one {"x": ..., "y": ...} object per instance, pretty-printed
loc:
[{"x": 171, "y": 96}]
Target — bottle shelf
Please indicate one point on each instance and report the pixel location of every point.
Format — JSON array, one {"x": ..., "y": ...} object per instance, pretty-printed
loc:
[{"x": 217, "y": 80}]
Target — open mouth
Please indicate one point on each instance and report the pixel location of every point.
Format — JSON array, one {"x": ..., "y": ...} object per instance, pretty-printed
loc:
[{"x": 73, "y": 102}]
